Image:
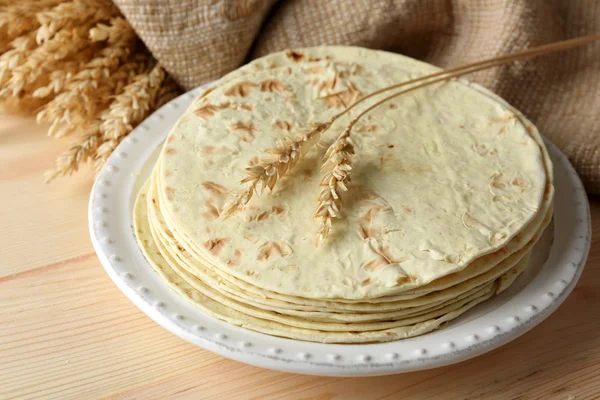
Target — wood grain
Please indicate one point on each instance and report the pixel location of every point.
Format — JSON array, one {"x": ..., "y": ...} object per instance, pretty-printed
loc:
[{"x": 67, "y": 332}]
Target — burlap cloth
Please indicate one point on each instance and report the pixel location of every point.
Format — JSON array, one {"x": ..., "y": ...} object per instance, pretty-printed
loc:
[{"x": 200, "y": 40}]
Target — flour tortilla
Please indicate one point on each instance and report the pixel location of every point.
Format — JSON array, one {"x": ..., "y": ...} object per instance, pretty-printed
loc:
[
  {"x": 206, "y": 284},
  {"x": 331, "y": 311},
  {"x": 342, "y": 333},
  {"x": 480, "y": 175},
  {"x": 485, "y": 265}
]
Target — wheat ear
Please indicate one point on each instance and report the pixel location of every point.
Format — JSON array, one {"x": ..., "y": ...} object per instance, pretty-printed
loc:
[
  {"x": 338, "y": 162},
  {"x": 270, "y": 170},
  {"x": 78, "y": 153}
]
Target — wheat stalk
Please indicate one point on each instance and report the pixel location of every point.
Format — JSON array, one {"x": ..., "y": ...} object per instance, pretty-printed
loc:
[
  {"x": 89, "y": 90},
  {"x": 338, "y": 161},
  {"x": 80, "y": 65},
  {"x": 268, "y": 171},
  {"x": 78, "y": 153},
  {"x": 127, "y": 110}
]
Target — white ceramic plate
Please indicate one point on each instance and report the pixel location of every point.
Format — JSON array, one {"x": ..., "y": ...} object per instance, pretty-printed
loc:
[{"x": 557, "y": 263}]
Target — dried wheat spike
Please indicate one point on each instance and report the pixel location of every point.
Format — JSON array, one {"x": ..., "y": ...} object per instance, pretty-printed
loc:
[
  {"x": 79, "y": 153},
  {"x": 269, "y": 171},
  {"x": 128, "y": 109},
  {"x": 338, "y": 162}
]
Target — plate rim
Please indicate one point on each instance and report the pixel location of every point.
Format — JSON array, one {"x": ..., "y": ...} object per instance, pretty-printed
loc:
[{"x": 114, "y": 249}]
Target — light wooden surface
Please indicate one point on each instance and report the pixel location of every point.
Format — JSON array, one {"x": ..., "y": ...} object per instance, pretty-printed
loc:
[{"x": 66, "y": 331}]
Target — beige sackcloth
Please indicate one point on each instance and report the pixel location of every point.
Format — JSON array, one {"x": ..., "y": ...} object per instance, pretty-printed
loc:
[{"x": 200, "y": 40}]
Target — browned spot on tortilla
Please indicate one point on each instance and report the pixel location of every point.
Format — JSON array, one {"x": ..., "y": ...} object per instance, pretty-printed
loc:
[
  {"x": 218, "y": 150},
  {"x": 285, "y": 125},
  {"x": 245, "y": 107},
  {"x": 251, "y": 238},
  {"x": 519, "y": 182},
  {"x": 212, "y": 212},
  {"x": 209, "y": 110},
  {"x": 384, "y": 258},
  {"x": 366, "y": 229},
  {"x": 294, "y": 55},
  {"x": 170, "y": 150},
  {"x": 392, "y": 106},
  {"x": 368, "y": 194},
  {"x": 168, "y": 173},
  {"x": 272, "y": 249},
  {"x": 367, "y": 282},
  {"x": 314, "y": 70},
  {"x": 325, "y": 85},
  {"x": 496, "y": 181},
  {"x": 275, "y": 210},
  {"x": 241, "y": 89},
  {"x": 170, "y": 192},
  {"x": 214, "y": 188},
  {"x": 342, "y": 99},
  {"x": 244, "y": 129},
  {"x": 272, "y": 85},
  {"x": 153, "y": 200},
  {"x": 250, "y": 273},
  {"x": 405, "y": 279},
  {"x": 469, "y": 221},
  {"x": 408, "y": 210},
  {"x": 367, "y": 128},
  {"x": 215, "y": 245},
  {"x": 237, "y": 257},
  {"x": 268, "y": 99},
  {"x": 375, "y": 264},
  {"x": 357, "y": 69},
  {"x": 207, "y": 91},
  {"x": 279, "y": 209},
  {"x": 175, "y": 209},
  {"x": 171, "y": 138},
  {"x": 180, "y": 248},
  {"x": 505, "y": 117}
]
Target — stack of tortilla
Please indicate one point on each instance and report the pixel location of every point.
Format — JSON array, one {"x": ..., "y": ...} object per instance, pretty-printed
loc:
[{"x": 451, "y": 188}]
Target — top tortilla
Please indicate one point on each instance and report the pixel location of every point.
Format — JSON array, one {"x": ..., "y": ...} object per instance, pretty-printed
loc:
[{"x": 442, "y": 175}]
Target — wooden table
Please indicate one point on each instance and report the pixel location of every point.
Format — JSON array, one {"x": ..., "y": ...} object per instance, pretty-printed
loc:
[{"x": 66, "y": 331}]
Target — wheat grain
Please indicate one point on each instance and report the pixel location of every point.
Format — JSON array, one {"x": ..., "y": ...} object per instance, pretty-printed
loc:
[
  {"x": 268, "y": 171},
  {"x": 338, "y": 161}
]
